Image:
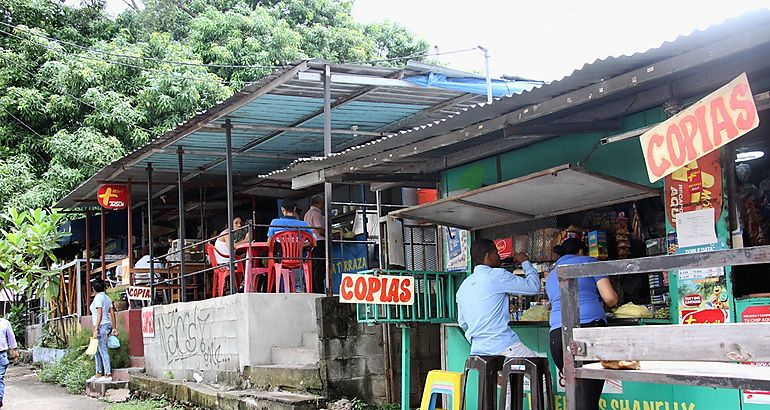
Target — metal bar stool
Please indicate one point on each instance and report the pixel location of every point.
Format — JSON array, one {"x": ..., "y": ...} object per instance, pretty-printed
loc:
[
  {"x": 538, "y": 371},
  {"x": 488, "y": 368}
]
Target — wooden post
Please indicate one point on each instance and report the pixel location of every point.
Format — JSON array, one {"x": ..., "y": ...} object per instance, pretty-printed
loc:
[
  {"x": 88, "y": 256},
  {"x": 103, "y": 245},
  {"x": 130, "y": 241},
  {"x": 570, "y": 318}
]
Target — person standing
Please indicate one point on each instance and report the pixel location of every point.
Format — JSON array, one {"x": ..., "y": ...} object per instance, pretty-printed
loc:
[
  {"x": 593, "y": 294},
  {"x": 103, "y": 319},
  {"x": 483, "y": 305},
  {"x": 315, "y": 217},
  {"x": 7, "y": 343}
]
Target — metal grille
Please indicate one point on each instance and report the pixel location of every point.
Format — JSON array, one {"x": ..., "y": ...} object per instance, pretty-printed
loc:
[
  {"x": 420, "y": 247},
  {"x": 434, "y": 300}
]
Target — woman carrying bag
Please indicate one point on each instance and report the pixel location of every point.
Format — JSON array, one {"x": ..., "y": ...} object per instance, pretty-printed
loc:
[{"x": 103, "y": 316}]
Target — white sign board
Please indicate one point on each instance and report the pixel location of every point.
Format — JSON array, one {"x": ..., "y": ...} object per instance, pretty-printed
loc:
[
  {"x": 139, "y": 293},
  {"x": 381, "y": 290}
]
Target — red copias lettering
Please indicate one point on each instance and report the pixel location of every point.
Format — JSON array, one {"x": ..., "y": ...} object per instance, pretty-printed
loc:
[
  {"x": 657, "y": 168},
  {"x": 745, "y": 120},
  {"x": 360, "y": 289},
  {"x": 347, "y": 283},
  {"x": 406, "y": 292},
  {"x": 374, "y": 287}
]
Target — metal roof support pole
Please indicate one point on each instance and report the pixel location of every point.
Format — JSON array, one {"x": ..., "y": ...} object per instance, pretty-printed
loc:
[
  {"x": 150, "y": 239},
  {"x": 230, "y": 211},
  {"x": 180, "y": 170},
  {"x": 102, "y": 244},
  {"x": 328, "y": 185}
]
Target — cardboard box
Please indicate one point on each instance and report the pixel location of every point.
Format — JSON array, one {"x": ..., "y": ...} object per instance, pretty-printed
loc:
[{"x": 597, "y": 245}]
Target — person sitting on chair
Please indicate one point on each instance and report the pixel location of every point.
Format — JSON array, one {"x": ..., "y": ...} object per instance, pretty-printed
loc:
[
  {"x": 288, "y": 222},
  {"x": 222, "y": 244}
]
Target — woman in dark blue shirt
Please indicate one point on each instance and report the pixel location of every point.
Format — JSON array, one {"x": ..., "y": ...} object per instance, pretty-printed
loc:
[{"x": 593, "y": 294}]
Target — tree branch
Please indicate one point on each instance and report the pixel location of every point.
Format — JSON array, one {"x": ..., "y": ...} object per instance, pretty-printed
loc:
[{"x": 184, "y": 8}]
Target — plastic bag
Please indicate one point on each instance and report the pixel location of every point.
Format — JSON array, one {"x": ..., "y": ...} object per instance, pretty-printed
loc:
[
  {"x": 93, "y": 346},
  {"x": 630, "y": 310},
  {"x": 538, "y": 313},
  {"x": 113, "y": 342}
]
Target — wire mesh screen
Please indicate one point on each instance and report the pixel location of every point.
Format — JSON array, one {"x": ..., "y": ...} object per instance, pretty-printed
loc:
[
  {"x": 536, "y": 238},
  {"x": 421, "y": 248}
]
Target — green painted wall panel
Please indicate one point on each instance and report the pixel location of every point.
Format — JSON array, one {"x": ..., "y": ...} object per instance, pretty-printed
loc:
[{"x": 472, "y": 176}]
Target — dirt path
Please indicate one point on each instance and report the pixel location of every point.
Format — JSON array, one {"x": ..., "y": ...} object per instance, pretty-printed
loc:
[{"x": 23, "y": 391}]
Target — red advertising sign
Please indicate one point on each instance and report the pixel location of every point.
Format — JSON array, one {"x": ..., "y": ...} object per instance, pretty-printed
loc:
[
  {"x": 705, "y": 126},
  {"x": 697, "y": 185},
  {"x": 703, "y": 316},
  {"x": 112, "y": 196},
  {"x": 693, "y": 300},
  {"x": 148, "y": 322},
  {"x": 138, "y": 293},
  {"x": 382, "y": 289},
  {"x": 504, "y": 247}
]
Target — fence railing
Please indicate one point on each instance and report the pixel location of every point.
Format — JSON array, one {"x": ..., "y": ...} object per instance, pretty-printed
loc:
[{"x": 434, "y": 299}]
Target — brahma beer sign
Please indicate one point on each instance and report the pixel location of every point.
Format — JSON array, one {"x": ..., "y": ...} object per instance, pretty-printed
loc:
[
  {"x": 113, "y": 196},
  {"x": 381, "y": 290},
  {"x": 712, "y": 122}
]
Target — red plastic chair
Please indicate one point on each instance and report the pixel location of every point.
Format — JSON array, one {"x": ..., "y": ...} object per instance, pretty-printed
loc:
[
  {"x": 222, "y": 272},
  {"x": 293, "y": 244}
]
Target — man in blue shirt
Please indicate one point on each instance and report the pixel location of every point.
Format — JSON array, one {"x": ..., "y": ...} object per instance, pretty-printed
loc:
[
  {"x": 290, "y": 219},
  {"x": 482, "y": 301}
]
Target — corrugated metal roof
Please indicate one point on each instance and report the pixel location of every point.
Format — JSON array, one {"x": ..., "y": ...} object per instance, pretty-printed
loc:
[
  {"x": 590, "y": 73},
  {"x": 291, "y": 102}
]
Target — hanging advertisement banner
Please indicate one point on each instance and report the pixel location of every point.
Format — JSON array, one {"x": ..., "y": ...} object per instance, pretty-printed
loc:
[
  {"x": 697, "y": 185},
  {"x": 703, "y": 296},
  {"x": 701, "y": 128},
  {"x": 456, "y": 250},
  {"x": 113, "y": 196}
]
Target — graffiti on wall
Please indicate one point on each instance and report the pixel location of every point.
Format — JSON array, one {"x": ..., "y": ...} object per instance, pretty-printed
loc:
[{"x": 184, "y": 337}]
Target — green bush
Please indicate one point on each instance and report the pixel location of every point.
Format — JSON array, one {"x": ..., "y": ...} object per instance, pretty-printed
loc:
[{"x": 76, "y": 367}]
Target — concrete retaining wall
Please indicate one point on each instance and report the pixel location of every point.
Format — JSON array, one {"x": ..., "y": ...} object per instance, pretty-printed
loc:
[{"x": 217, "y": 338}]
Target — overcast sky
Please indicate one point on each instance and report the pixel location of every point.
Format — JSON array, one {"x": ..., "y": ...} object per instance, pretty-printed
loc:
[{"x": 544, "y": 40}]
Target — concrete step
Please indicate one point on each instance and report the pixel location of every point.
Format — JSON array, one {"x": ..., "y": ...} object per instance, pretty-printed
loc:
[
  {"x": 310, "y": 340},
  {"x": 293, "y": 356},
  {"x": 99, "y": 389},
  {"x": 284, "y": 377},
  {"x": 136, "y": 361},
  {"x": 198, "y": 394},
  {"x": 124, "y": 374}
]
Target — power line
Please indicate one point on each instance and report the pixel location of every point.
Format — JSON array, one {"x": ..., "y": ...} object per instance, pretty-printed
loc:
[
  {"x": 242, "y": 66},
  {"x": 21, "y": 122}
]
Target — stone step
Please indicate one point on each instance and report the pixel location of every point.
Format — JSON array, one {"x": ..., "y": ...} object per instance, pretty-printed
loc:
[
  {"x": 295, "y": 356},
  {"x": 310, "y": 340},
  {"x": 136, "y": 361},
  {"x": 122, "y": 375},
  {"x": 99, "y": 389},
  {"x": 284, "y": 377},
  {"x": 198, "y": 394}
]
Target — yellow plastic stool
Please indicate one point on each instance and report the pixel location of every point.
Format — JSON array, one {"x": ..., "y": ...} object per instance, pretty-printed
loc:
[{"x": 441, "y": 382}]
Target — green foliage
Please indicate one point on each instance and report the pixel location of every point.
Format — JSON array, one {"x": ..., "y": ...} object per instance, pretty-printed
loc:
[
  {"x": 68, "y": 108},
  {"x": 119, "y": 357},
  {"x": 17, "y": 316},
  {"x": 358, "y": 404},
  {"x": 26, "y": 251},
  {"x": 159, "y": 404}
]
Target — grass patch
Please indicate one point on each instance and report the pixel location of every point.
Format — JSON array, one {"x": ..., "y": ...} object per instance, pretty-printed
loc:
[{"x": 153, "y": 404}]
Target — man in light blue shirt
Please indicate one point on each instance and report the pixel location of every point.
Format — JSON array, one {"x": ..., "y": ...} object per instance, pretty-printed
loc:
[{"x": 482, "y": 301}]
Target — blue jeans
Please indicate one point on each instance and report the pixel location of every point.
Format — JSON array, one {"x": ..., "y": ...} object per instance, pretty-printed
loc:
[
  {"x": 3, "y": 367},
  {"x": 102, "y": 355}
]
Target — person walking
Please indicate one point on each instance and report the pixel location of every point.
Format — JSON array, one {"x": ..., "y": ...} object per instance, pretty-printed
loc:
[
  {"x": 103, "y": 319},
  {"x": 7, "y": 343}
]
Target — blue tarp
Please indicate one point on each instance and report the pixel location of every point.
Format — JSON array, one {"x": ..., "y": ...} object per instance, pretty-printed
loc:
[{"x": 473, "y": 85}]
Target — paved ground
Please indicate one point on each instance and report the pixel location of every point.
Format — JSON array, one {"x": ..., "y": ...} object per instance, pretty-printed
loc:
[{"x": 23, "y": 390}]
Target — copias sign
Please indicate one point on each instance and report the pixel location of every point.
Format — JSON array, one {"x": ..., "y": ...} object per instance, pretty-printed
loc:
[
  {"x": 111, "y": 196},
  {"x": 381, "y": 290},
  {"x": 705, "y": 126}
]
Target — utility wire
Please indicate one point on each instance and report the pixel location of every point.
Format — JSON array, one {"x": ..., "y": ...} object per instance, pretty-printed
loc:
[
  {"x": 191, "y": 64},
  {"x": 21, "y": 122}
]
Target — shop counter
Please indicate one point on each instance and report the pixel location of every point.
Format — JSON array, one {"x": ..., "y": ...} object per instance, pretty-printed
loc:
[{"x": 617, "y": 395}]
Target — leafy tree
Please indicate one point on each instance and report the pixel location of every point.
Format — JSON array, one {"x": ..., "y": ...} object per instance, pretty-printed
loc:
[{"x": 79, "y": 89}]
